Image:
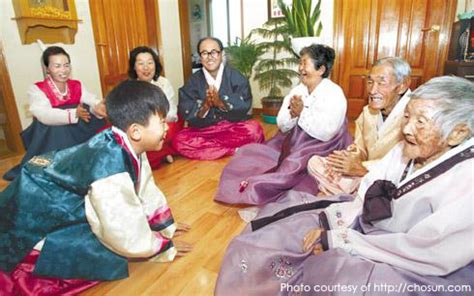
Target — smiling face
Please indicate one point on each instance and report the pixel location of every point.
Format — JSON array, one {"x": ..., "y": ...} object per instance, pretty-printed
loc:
[
  {"x": 383, "y": 89},
  {"x": 423, "y": 138},
  {"x": 59, "y": 68},
  {"x": 309, "y": 76},
  {"x": 145, "y": 66},
  {"x": 154, "y": 134},
  {"x": 210, "y": 63}
]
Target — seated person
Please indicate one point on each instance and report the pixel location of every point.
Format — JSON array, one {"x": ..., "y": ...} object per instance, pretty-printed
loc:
[
  {"x": 216, "y": 102},
  {"x": 145, "y": 65},
  {"x": 72, "y": 225},
  {"x": 64, "y": 112},
  {"x": 377, "y": 130},
  {"x": 411, "y": 222},
  {"x": 311, "y": 121}
]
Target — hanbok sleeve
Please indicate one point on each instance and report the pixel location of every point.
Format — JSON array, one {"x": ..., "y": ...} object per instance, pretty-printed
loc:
[
  {"x": 359, "y": 143},
  {"x": 238, "y": 99},
  {"x": 323, "y": 119},
  {"x": 119, "y": 220},
  {"x": 344, "y": 215},
  {"x": 154, "y": 202},
  {"x": 284, "y": 120},
  {"x": 190, "y": 101},
  {"x": 89, "y": 99},
  {"x": 42, "y": 110},
  {"x": 437, "y": 245}
]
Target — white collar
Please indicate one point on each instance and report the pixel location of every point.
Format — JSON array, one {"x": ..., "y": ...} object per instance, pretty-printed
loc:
[
  {"x": 210, "y": 80},
  {"x": 440, "y": 159}
]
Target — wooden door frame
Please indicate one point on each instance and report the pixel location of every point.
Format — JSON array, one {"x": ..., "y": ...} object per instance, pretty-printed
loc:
[{"x": 12, "y": 133}]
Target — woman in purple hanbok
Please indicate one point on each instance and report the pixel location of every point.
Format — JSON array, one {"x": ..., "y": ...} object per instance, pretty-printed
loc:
[
  {"x": 311, "y": 122},
  {"x": 409, "y": 230}
]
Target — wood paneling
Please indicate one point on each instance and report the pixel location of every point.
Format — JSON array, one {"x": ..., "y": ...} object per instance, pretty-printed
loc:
[
  {"x": 367, "y": 30},
  {"x": 185, "y": 35},
  {"x": 119, "y": 26},
  {"x": 9, "y": 119}
]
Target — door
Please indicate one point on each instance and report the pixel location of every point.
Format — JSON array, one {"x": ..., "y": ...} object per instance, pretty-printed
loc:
[
  {"x": 367, "y": 30},
  {"x": 10, "y": 127},
  {"x": 119, "y": 26}
]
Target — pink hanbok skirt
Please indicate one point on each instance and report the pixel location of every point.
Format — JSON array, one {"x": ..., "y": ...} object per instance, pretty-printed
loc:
[
  {"x": 22, "y": 281},
  {"x": 217, "y": 141}
]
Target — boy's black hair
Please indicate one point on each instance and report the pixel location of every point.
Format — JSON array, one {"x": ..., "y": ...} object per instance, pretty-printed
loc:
[
  {"x": 133, "y": 58},
  {"x": 321, "y": 55},
  {"x": 53, "y": 50},
  {"x": 134, "y": 101}
]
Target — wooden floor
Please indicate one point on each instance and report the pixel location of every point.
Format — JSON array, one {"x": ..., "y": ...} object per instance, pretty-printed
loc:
[{"x": 189, "y": 187}]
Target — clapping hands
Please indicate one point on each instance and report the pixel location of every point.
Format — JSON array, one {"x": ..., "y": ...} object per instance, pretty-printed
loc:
[
  {"x": 296, "y": 106},
  {"x": 213, "y": 98}
]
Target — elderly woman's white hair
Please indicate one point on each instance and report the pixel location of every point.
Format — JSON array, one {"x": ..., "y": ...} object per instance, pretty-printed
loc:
[{"x": 454, "y": 98}]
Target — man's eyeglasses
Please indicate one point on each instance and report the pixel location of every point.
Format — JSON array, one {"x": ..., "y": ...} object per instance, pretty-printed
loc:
[{"x": 213, "y": 53}]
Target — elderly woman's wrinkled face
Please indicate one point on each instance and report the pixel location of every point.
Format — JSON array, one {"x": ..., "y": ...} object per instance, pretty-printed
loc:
[
  {"x": 59, "y": 68},
  {"x": 382, "y": 87},
  {"x": 145, "y": 66},
  {"x": 309, "y": 76},
  {"x": 423, "y": 138}
]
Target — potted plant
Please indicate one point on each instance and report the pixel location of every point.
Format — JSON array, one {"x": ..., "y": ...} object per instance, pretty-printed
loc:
[
  {"x": 273, "y": 70},
  {"x": 243, "y": 54},
  {"x": 302, "y": 22}
]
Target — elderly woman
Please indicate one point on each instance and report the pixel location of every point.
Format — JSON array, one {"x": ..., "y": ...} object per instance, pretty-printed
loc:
[
  {"x": 145, "y": 65},
  {"x": 311, "y": 122},
  {"x": 64, "y": 112},
  {"x": 409, "y": 229}
]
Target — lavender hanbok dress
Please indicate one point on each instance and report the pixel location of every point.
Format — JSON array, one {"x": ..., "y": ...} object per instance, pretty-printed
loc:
[
  {"x": 261, "y": 173},
  {"x": 424, "y": 247}
]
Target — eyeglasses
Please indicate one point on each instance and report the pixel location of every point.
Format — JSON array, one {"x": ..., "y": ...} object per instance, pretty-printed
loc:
[{"x": 213, "y": 53}]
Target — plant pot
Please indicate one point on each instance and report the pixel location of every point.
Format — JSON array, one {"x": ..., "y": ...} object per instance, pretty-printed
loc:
[
  {"x": 298, "y": 43},
  {"x": 270, "y": 108}
]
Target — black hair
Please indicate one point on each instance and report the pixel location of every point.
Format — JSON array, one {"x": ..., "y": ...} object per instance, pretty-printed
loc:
[
  {"x": 321, "y": 55},
  {"x": 219, "y": 43},
  {"x": 51, "y": 51},
  {"x": 132, "y": 74},
  {"x": 134, "y": 101}
]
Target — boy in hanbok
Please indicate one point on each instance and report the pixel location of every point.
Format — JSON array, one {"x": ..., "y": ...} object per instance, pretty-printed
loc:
[{"x": 74, "y": 216}]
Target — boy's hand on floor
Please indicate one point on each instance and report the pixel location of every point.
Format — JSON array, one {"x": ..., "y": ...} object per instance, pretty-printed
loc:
[
  {"x": 181, "y": 228},
  {"x": 182, "y": 247}
]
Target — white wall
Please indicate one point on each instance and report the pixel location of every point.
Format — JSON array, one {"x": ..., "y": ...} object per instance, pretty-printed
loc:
[
  {"x": 171, "y": 50},
  {"x": 23, "y": 61},
  {"x": 464, "y": 6}
]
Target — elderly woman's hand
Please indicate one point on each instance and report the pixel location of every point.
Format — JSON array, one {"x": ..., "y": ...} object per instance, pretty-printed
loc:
[
  {"x": 296, "y": 106},
  {"x": 82, "y": 113}
]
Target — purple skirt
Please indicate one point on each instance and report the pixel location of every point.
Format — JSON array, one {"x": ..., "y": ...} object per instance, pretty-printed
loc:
[
  {"x": 260, "y": 173},
  {"x": 271, "y": 261}
]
